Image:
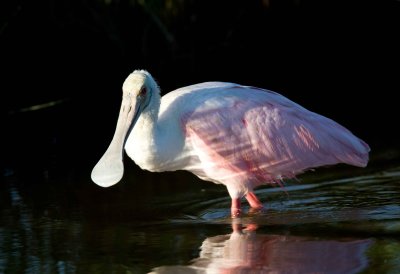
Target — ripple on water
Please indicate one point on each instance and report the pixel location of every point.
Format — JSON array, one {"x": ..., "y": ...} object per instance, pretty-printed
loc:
[{"x": 366, "y": 198}]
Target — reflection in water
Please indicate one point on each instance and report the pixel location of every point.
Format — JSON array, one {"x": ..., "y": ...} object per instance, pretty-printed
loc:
[
  {"x": 245, "y": 251},
  {"x": 342, "y": 226}
]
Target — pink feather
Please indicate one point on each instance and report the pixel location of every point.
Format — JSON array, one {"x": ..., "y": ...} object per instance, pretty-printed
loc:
[{"x": 249, "y": 136}]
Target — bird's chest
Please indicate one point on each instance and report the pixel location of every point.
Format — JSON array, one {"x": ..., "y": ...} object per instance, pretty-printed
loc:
[
  {"x": 143, "y": 153},
  {"x": 157, "y": 149}
]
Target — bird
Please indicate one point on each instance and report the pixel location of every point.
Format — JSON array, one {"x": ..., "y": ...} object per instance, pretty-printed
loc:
[{"x": 226, "y": 133}]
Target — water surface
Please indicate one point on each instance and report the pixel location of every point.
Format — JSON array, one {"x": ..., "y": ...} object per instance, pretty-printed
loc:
[{"x": 334, "y": 220}]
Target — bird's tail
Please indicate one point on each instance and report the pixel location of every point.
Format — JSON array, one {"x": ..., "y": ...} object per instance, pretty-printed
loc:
[{"x": 357, "y": 153}]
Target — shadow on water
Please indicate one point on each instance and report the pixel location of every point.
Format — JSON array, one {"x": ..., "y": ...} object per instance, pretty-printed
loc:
[{"x": 320, "y": 224}]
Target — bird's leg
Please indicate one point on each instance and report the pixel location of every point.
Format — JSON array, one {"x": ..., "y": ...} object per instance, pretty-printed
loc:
[
  {"x": 253, "y": 200},
  {"x": 235, "y": 208}
]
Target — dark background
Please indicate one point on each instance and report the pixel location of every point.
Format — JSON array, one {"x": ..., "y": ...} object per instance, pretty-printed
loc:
[{"x": 337, "y": 58}]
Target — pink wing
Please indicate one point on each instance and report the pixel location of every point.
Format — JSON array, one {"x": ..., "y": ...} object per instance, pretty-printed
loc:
[{"x": 261, "y": 136}]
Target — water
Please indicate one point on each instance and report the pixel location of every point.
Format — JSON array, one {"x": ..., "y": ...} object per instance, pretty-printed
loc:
[{"x": 335, "y": 220}]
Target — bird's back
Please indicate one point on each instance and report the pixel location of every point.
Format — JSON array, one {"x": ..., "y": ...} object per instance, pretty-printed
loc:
[{"x": 246, "y": 132}]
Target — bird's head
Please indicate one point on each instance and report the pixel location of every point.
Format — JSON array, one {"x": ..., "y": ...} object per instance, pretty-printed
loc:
[{"x": 138, "y": 90}]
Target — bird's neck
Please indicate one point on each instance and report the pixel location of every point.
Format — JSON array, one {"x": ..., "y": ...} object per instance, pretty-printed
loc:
[
  {"x": 147, "y": 122},
  {"x": 141, "y": 145}
]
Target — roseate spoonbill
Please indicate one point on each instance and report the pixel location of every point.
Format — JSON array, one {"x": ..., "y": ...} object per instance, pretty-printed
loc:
[{"x": 226, "y": 133}]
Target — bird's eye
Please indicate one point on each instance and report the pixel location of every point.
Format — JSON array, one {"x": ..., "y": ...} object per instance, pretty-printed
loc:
[{"x": 143, "y": 91}]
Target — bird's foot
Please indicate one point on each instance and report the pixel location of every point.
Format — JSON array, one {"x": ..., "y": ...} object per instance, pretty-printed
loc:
[
  {"x": 253, "y": 201},
  {"x": 239, "y": 227},
  {"x": 235, "y": 208},
  {"x": 236, "y": 212},
  {"x": 256, "y": 211},
  {"x": 250, "y": 227}
]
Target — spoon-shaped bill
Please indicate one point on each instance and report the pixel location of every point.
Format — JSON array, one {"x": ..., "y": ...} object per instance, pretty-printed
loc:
[{"x": 110, "y": 168}]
